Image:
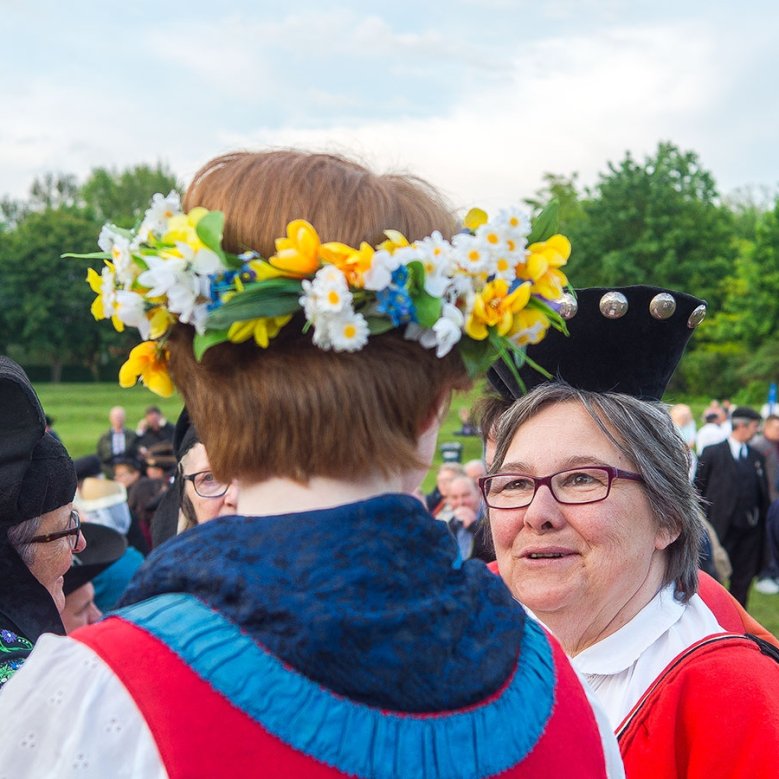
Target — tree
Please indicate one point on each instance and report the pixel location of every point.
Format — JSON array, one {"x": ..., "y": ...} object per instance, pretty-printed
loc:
[
  {"x": 122, "y": 197},
  {"x": 659, "y": 222},
  {"x": 44, "y": 300}
]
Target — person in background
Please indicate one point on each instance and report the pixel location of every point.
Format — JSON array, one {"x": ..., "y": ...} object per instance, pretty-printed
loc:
[
  {"x": 436, "y": 500},
  {"x": 767, "y": 443},
  {"x": 104, "y": 547},
  {"x": 466, "y": 523},
  {"x": 117, "y": 442},
  {"x": 715, "y": 430},
  {"x": 153, "y": 429},
  {"x": 39, "y": 531},
  {"x": 475, "y": 469},
  {"x": 731, "y": 477}
]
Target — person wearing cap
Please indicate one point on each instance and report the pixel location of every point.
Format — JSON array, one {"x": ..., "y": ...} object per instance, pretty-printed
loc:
[
  {"x": 104, "y": 546},
  {"x": 732, "y": 478},
  {"x": 39, "y": 531},
  {"x": 597, "y": 532},
  {"x": 330, "y": 628}
]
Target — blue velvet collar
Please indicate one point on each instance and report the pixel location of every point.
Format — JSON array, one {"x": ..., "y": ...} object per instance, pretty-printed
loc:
[{"x": 368, "y": 600}]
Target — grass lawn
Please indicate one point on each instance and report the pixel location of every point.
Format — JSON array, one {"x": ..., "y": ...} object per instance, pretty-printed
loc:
[{"x": 80, "y": 412}]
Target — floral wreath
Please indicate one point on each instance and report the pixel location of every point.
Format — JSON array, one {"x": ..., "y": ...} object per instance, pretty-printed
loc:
[{"x": 492, "y": 290}]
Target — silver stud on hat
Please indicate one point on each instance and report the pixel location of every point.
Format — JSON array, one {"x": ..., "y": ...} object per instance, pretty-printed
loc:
[
  {"x": 568, "y": 306},
  {"x": 613, "y": 305},
  {"x": 662, "y": 306},
  {"x": 697, "y": 316}
]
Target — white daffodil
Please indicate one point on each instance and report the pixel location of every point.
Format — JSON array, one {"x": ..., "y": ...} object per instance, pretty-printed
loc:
[
  {"x": 446, "y": 332},
  {"x": 131, "y": 309},
  {"x": 379, "y": 275},
  {"x": 108, "y": 292},
  {"x": 156, "y": 218},
  {"x": 529, "y": 335},
  {"x": 203, "y": 261},
  {"x": 117, "y": 244},
  {"x": 348, "y": 333},
  {"x": 162, "y": 275}
]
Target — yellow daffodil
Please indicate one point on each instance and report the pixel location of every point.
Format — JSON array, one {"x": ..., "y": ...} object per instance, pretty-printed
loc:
[
  {"x": 262, "y": 329},
  {"x": 149, "y": 361},
  {"x": 543, "y": 263},
  {"x": 160, "y": 322},
  {"x": 529, "y": 327},
  {"x": 475, "y": 218},
  {"x": 496, "y": 307},
  {"x": 353, "y": 263},
  {"x": 395, "y": 240},
  {"x": 182, "y": 229},
  {"x": 98, "y": 308},
  {"x": 297, "y": 254}
]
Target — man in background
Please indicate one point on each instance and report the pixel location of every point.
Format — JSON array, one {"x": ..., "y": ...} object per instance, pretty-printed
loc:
[
  {"x": 731, "y": 476},
  {"x": 118, "y": 442}
]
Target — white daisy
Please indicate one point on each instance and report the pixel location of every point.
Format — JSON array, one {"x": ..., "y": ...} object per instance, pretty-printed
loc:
[
  {"x": 379, "y": 275},
  {"x": 157, "y": 215},
  {"x": 446, "y": 332},
  {"x": 348, "y": 333},
  {"x": 470, "y": 254}
]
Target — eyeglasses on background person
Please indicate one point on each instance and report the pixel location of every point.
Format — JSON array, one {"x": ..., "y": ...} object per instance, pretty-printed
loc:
[
  {"x": 570, "y": 487},
  {"x": 206, "y": 485},
  {"x": 72, "y": 532}
]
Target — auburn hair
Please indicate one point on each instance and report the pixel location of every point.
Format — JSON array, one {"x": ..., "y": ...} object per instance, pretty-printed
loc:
[{"x": 294, "y": 410}]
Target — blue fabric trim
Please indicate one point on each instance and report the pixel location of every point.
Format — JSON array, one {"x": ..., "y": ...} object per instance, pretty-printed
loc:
[{"x": 352, "y": 737}]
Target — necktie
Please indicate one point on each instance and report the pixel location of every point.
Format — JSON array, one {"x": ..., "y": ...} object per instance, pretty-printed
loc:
[{"x": 743, "y": 453}]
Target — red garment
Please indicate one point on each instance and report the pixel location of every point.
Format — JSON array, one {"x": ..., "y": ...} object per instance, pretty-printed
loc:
[
  {"x": 712, "y": 714},
  {"x": 200, "y": 733}
]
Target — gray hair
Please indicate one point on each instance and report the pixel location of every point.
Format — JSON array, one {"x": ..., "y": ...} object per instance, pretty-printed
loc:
[
  {"x": 644, "y": 433},
  {"x": 20, "y": 536}
]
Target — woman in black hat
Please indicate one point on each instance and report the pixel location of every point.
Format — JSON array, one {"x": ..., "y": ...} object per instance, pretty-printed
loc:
[
  {"x": 39, "y": 531},
  {"x": 597, "y": 531}
]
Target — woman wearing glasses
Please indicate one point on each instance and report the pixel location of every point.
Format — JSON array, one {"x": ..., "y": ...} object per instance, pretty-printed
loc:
[
  {"x": 597, "y": 531},
  {"x": 39, "y": 531}
]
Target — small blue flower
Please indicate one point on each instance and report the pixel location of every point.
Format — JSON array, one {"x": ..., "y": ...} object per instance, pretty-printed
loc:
[
  {"x": 8, "y": 636},
  {"x": 220, "y": 284},
  {"x": 396, "y": 304}
]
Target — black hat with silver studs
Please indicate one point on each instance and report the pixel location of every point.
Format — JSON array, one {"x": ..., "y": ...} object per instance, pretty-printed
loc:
[{"x": 627, "y": 339}]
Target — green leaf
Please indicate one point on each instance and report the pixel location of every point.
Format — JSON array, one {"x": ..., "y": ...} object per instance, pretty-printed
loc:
[
  {"x": 477, "y": 356},
  {"x": 209, "y": 229},
  {"x": 378, "y": 325},
  {"x": 546, "y": 224},
  {"x": 554, "y": 317},
  {"x": 205, "y": 341},
  {"x": 428, "y": 308},
  {"x": 88, "y": 256},
  {"x": 264, "y": 299}
]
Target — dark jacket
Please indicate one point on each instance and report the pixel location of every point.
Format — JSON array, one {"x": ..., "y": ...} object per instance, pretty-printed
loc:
[{"x": 718, "y": 478}]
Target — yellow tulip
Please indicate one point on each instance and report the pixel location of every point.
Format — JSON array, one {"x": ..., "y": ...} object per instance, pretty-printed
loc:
[
  {"x": 297, "y": 254},
  {"x": 353, "y": 263},
  {"x": 543, "y": 263}
]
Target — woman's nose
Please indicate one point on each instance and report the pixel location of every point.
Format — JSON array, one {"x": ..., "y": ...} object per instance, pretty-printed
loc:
[
  {"x": 231, "y": 496},
  {"x": 81, "y": 543},
  {"x": 544, "y": 512}
]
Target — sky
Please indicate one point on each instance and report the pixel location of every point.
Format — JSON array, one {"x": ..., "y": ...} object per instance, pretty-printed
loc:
[{"x": 481, "y": 97}]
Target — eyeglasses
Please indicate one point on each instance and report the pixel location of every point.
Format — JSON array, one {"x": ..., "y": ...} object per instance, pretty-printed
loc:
[
  {"x": 206, "y": 485},
  {"x": 572, "y": 486},
  {"x": 71, "y": 532}
]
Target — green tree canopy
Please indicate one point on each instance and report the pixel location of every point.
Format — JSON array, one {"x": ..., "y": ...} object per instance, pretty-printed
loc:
[
  {"x": 122, "y": 197},
  {"x": 659, "y": 222}
]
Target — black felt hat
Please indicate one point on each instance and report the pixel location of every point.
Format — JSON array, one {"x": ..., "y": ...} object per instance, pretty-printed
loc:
[
  {"x": 104, "y": 547},
  {"x": 36, "y": 473},
  {"x": 627, "y": 340}
]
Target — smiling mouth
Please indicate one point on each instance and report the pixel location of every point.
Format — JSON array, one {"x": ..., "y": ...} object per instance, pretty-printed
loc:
[{"x": 545, "y": 556}]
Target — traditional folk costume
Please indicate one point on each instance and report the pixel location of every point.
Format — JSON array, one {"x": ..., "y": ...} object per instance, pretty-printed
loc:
[
  {"x": 36, "y": 476},
  {"x": 692, "y": 690},
  {"x": 343, "y": 642}
]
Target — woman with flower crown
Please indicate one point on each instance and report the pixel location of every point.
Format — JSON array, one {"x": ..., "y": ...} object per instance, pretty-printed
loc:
[{"x": 330, "y": 629}]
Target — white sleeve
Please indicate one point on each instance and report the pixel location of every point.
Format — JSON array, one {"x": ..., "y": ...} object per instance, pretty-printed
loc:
[
  {"x": 65, "y": 714},
  {"x": 614, "y": 767}
]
